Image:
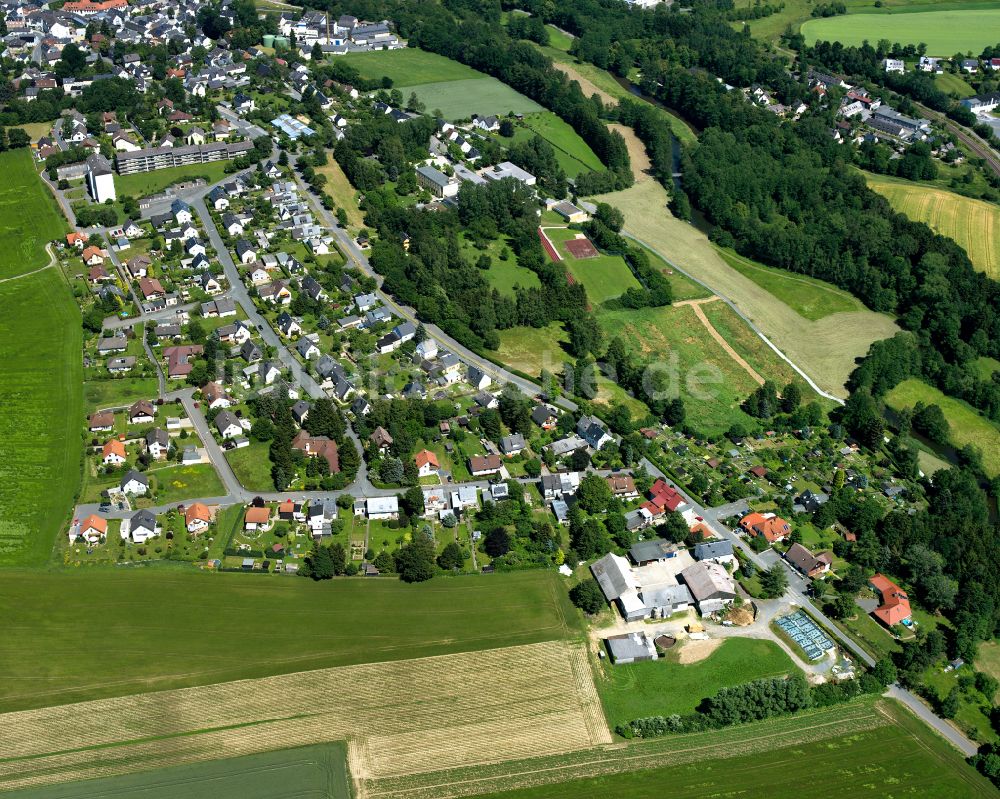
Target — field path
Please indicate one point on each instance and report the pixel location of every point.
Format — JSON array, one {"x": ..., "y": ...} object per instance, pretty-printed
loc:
[
  {"x": 695, "y": 306},
  {"x": 641, "y": 165},
  {"x": 50, "y": 264}
]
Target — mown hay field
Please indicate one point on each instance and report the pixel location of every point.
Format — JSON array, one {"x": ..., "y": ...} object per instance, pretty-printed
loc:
[
  {"x": 319, "y": 771},
  {"x": 895, "y": 756},
  {"x": 973, "y": 224},
  {"x": 399, "y": 718},
  {"x": 204, "y": 628},
  {"x": 761, "y": 759},
  {"x": 460, "y": 99},
  {"x": 825, "y": 349},
  {"x": 944, "y": 32}
]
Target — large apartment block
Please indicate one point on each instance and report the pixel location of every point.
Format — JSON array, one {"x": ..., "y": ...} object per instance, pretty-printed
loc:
[{"x": 154, "y": 158}]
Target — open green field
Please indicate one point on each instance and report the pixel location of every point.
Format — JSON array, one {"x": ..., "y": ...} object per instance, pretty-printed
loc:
[
  {"x": 316, "y": 771},
  {"x": 214, "y": 627},
  {"x": 152, "y": 182},
  {"x": 572, "y": 152},
  {"x": 967, "y": 426},
  {"x": 558, "y": 39},
  {"x": 252, "y": 466},
  {"x": 176, "y": 483},
  {"x": 808, "y": 297},
  {"x": 973, "y": 224},
  {"x": 665, "y": 686},
  {"x": 895, "y": 756},
  {"x": 953, "y": 84},
  {"x": 824, "y": 349},
  {"x": 986, "y": 367},
  {"x": 40, "y": 443},
  {"x": 460, "y": 99},
  {"x": 341, "y": 192},
  {"x": 409, "y": 67},
  {"x": 504, "y": 275},
  {"x": 118, "y": 391},
  {"x": 988, "y": 660},
  {"x": 944, "y": 32},
  {"x": 30, "y": 215}
]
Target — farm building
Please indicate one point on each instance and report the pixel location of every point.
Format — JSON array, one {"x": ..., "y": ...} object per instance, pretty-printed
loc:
[
  {"x": 630, "y": 648},
  {"x": 710, "y": 585}
]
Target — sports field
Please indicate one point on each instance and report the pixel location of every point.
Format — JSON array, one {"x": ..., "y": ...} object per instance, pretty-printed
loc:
[
  {"x": 973, "y": 224},
  {"x": 317, "y": 771},
  {"x": 409, "y": 67},
  {"x": 399, "y": 718},
  {"x": 30, "y": 215},
  {"x": 167, "y": 629},
  {"x": 152, "y": 182},
  {"x": 825, "y": 349},
  {"x": 572, "y": 152},
  {"x": 866, "y": 748},
  {"x": 666, "y": 686},
  {"x": 460, "y": 99},
  {"x": 967, "y": 426},
  {"x": 604, "y": 276},
  {"x": 944, "y": 32}
]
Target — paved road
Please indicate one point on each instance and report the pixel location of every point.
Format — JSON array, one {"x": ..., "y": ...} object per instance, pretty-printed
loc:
[
  {"x": 925, "y": 714},
  {"x": 215, "y": 453},
  {"x": 355, "y": 254}
]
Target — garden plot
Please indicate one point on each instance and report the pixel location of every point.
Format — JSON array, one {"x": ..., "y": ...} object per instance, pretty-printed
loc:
[{"x": 806, "y": 633}]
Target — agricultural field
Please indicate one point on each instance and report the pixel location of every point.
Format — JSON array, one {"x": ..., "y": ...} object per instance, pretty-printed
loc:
[
  {"x": 944, "y": 32},
  {"x": 409, "y": 67},
  {"x": 152, "y": 182},
  {"x": 30, "y": 214},
  {"x": 572, "y": 152},
  {"x": 40, "y": 444},
  {"x": 967, "y": 425},
  {"x": 810, "y": 298},
  {"x": 865, "y": 748},
  {"x": 825, "y": 349},
  {"x": 440, "y": 726},
  {"x": 319, "y": 771},
  {"x": 973, "y": 224},
  {"x": 669, "y": 685},
  {"x": 48, "y": 655},
  {"x": 460, "y": 99}
]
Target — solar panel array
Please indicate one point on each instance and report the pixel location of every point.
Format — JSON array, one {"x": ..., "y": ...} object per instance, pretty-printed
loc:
[{"x": 806, "y": 633}]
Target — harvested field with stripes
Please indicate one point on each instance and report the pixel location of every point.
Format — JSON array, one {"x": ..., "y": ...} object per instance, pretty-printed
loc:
[
  {"x": 399, "y": 719},
  {"x": 973, "y": 224}
]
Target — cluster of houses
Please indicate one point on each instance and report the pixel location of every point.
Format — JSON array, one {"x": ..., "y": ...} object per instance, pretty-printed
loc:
[{"x": 346, "y": 34}]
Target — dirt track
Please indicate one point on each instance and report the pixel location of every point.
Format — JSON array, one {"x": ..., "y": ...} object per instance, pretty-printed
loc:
[{"x": 696, "y": 307}]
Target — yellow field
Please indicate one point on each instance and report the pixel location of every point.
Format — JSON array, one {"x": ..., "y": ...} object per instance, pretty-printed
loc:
[
  {"x": 825, "y": 349},
  {"x": 400, "y": 719},
  {"x": 973, "y": 224},
  {"x": 341, "y": 192}
]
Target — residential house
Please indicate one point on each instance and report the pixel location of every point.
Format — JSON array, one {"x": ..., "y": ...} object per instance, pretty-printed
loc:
[
  {"x": 228, "y": 425},
  {"x": 157, "y": 443},
  {"x": 715, "y": 551},
  {"x": 135, "y": 483},
  {"x": 481, "y": 466},
  {"x": 141, "y": 412},
  {"x": 256, "y": 518},
  {"x": 512, "y": 445},
  {"x": 427, "y": 463},
  {"x": 381, "y": 439},
  {"x": 766, "y": 525},
  {"x": 622, "y": 486},
  {"x": 113, "y": 453},
  {"x": 807, "y": 564},
  {"x": 92, "y": 529},
  {"x": 477, "y": 378},
  {"x": 197, "y": 518},
  {"x": 382, "y": 508},
  {"x": 545, "y": 417},
  {"x": 142, "y": 527},
  {"x": 593, "y": 431},
  {"x": 894, "y": 607},
  {"x": 101, "y": 421},
  {"x": 318, "y": 447}
]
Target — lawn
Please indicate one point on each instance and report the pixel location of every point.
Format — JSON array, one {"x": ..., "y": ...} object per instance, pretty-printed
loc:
[
  {"x": 531, "y": 349},
  {"x": 216, "y": 627},
  {"x": 40, "y": 442},
  {"x": 973, "y": 224},
  {"x": 319, "y": 771},
  {"x": 604, "y": 277},
  {"x": 988, "y": 660},
  {"x": 152, "y": 182},
  {"x": 558, "y": 39},
  {"x": 409, "y": 67},
  {"x": 894, "y": 755},
  {"x": 572, "y": 152},
  {"x": 870, "y": 634},
  {"x": 177, "y": 483},
  {"x": 252, "y": 466},
  {"x": 663, "y": 687},
  {"x": 30, "y": 216},
  {"x": 944, "y": 32},
  {"x": 810, "y": 298},
  {"x": 118, "y": 391},
  {"x": 505, "y": 275},
  {"x": 967, "y": 425},
  {"x": 986, "y": 367},
  {"x": 825, "y": 349},
  {"x": 460, "y": 99}
]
